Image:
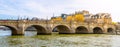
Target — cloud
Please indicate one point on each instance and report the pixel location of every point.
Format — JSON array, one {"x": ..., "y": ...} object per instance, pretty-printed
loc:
[{"x": 46, "y": 8}]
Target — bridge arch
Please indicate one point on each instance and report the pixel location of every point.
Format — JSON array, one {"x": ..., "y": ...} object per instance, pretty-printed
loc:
[
  {"x": 62, "y": 29},
  {"x": 110, "y": 30},
  {"x": 81, "y": 29},
  {"x": 97, "y": 30},
  {"x": 40, "y": 29},
  {"x": 13, "y": 29}
]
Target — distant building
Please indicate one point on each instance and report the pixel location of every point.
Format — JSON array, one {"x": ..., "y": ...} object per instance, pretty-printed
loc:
[
  {"x": 101, "y": 18},
  {"x": 85, "y": 16}
]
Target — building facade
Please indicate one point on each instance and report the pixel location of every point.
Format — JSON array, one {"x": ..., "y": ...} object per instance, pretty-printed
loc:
[{"x": 85, "y": 16}]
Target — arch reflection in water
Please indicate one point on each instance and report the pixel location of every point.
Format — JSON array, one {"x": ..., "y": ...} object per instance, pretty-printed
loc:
[
  {"x": 81, "y": 29},
  {"x": 97, "y": 30},
  {"x": 6, "y": 30},
  {"x": 30, "y": 31},
  {"x": 36, "y": 28},
  {"x": 62, "y": 29},
  {"x": 110, "y": 30}
]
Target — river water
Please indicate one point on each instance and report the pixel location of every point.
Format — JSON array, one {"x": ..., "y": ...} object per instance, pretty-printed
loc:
[{"x": 30, "y": 39}]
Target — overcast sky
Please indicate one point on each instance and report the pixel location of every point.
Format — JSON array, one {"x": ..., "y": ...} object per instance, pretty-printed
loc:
[{"x": 46, "y": 8}]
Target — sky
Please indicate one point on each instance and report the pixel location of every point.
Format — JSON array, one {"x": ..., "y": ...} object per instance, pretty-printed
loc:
[{"x": 12, "y": 9}]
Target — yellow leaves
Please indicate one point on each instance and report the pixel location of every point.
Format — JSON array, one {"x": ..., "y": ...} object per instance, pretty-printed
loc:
[
  {"x": 79, "y": 18},
  {"x": 57, "y": 19},
  {"x": 114, "y": 23},
  {"x": 69, "y": 18},
  {"x": 75, "y": 17}
]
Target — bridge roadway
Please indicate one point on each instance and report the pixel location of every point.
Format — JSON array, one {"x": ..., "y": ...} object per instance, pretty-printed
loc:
[{"x": 18, "y": 27}]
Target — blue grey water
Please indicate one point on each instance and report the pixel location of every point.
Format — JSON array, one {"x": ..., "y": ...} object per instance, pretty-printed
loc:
[{"x": 30, "y": 39}]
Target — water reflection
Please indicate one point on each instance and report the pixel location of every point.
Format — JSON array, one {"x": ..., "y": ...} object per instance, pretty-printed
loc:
[
  {"x": 59, "y": 40},
  {"x": 5, "y": 32},
  {"x": 30, "y": 33}
]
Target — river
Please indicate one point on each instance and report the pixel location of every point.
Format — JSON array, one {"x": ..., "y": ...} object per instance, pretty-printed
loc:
[{"x": 30, "y": 39}]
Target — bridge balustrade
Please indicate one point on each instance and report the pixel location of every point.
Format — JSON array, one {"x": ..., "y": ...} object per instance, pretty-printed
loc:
[{"x": 2, "y": 22}]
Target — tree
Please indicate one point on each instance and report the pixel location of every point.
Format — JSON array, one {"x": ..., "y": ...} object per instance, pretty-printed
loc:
[
  {"x": 79, "y": 17},
  {"x": 69, "y": 18},
  {"x": 114, "y": 23},
  {"x": 58, "y": 19}
]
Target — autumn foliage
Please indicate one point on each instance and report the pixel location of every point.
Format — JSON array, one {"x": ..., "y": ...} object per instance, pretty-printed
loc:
[
  {"x": 75, "y": 17},
  {"x": 56, "y": 19},
  {"x": 79, "y": 17},
  {"x": 69, "y": 18}
]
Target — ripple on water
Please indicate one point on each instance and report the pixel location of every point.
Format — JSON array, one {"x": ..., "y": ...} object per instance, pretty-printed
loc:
[{"x": 62, "y": 40}]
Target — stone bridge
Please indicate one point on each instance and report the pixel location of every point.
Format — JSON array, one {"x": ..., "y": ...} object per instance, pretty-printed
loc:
[{"x": 18, "y": 27}]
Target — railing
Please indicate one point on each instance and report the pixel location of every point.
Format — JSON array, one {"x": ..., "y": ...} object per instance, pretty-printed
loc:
[{"x": 49, "y": 22}]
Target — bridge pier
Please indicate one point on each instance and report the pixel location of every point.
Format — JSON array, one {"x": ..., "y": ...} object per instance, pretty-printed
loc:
[
  {"x": 72, "y": 31},
  {"x": 19, "y": 31}
]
